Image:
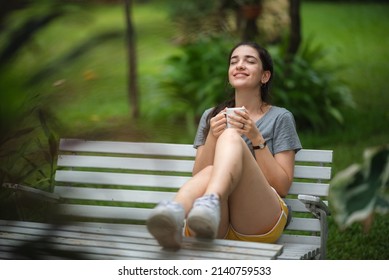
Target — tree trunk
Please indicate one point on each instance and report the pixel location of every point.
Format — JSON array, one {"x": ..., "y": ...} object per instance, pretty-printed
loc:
[
  {"x": 250, "y": 14},
  {"x": 132, "y": 69},
  {"x": 295, "y": 27}
]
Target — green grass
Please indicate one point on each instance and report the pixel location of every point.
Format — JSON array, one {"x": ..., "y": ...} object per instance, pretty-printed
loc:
[
  {"x": 91, "y": 102},
  {"x": 355, "y": 36}
]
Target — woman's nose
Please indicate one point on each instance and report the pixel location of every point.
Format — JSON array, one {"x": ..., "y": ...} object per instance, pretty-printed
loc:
[{"x": 240, "y": 66}]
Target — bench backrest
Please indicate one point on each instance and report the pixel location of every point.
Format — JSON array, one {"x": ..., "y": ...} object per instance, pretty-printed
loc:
[{"x": 121, "y": 181}]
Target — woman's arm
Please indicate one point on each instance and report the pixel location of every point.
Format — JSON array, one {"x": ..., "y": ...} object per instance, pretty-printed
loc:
[
  {"x": 278, "y": 170},
  {"x": 205, "y": 153}
]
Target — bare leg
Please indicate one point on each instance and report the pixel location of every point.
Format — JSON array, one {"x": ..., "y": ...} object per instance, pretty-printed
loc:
[
  {"x": 253, "y": 206},
  {"x": 193, "y": 189}
]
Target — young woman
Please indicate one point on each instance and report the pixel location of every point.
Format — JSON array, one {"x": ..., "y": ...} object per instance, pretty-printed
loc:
[{"x": 240, "y": 173}]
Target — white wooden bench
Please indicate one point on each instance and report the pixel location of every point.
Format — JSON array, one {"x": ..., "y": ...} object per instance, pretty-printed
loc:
[
  {"x": 121, "y": 181},
  {"x": 112, "y": 184}
]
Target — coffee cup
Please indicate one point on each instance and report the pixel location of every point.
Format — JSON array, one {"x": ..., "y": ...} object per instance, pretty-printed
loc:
[{"x": 231, "y": 112}]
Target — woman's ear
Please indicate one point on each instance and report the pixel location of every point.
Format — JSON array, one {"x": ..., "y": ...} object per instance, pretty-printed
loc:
[{"x": 265, "y": 77}]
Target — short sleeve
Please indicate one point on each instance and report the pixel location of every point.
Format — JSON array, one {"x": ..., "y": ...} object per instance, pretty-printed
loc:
[
  {"x": 285, "y": 134},
  {"x": 200, "y": 137}
]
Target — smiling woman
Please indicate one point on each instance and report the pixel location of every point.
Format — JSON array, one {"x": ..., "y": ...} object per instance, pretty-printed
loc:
[{"x": 240, "y": 172}]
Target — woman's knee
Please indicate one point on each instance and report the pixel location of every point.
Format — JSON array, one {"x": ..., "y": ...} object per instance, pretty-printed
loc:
[{"x": 230, "y": 135}]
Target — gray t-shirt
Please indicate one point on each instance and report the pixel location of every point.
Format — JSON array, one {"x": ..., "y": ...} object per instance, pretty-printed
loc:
[{"x": 277, "y": 127}]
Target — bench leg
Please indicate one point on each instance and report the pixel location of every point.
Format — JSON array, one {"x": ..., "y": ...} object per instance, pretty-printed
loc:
[{"x": 324, "y": 233}]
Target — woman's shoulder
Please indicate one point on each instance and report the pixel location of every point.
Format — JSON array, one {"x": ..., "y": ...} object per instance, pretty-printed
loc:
[
  {"x": 204, "y": 116},
  {"x": 207, "y": 111},
  {"x": 279, "y": 111}
]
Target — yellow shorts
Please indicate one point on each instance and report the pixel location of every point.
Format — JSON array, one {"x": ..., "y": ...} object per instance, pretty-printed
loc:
[{"x": 269, "y": 237}]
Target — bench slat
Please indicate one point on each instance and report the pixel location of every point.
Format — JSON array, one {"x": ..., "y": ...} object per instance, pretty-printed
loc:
[
  {"x": 162, "y": 181},
  {"x": 318, "y": 189},
  {"x": 299, "y": 239},
  {"x": 104, "y": 212},
  {"x": 304, "y": 224},
  {"x": 120, "y": 179},
  {"x": 164, "y": 149},
  {"x": 312, "y": 172},
  {"x": 136, "y": 196},
  {"x": 141, "y": 214},
  {"x": 136, "y": 148},
  {"x": 296, "y": 188},
  {"x": 306, "y": 172},
  {"x": 125, "y": 163},
  {"x": 318, "y": 156},
  {"x": 113, "y": 195}
]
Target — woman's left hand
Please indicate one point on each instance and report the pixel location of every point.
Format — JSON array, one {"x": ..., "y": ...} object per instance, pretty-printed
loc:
[{"x": 245, "y": 125}]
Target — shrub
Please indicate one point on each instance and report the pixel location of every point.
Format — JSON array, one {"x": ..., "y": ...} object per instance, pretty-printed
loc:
[
  {"x": 310, "y": 88},
  {"x": 361, "y": 190},
  {"x": 196, "y": 79}
]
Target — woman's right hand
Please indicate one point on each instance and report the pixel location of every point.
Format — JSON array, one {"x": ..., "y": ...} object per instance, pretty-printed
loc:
[{"x": 218, "y": 123}]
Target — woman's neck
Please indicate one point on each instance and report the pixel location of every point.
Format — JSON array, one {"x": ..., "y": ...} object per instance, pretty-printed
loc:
[{"x": 251, "y": 100}]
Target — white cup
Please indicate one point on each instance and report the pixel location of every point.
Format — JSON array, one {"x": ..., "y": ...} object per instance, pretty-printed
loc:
[{"x": 230, "y": 112}]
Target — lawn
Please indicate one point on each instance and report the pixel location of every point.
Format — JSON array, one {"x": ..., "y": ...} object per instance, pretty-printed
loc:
[
  {"x": 355, "y": 35},
  {"x": 91, "y": 100}
]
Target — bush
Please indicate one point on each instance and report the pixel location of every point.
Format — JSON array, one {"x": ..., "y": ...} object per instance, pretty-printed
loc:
[
  {"x": 194, "y": 19},
  {"x": 361, "y": 190},
  {"x": 309, "y": 88},
  {"x": 196, "y": 79}
]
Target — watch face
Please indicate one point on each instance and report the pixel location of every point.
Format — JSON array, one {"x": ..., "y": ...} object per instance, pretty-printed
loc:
[{"x": 260, "y": 146}]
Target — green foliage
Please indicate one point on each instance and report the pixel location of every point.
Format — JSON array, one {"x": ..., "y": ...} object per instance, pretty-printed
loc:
[
  {"x": 195, "y": 80},
  {"x": 194, "y": 19},
  {"x": 23, "y": 156},
  {"x": 359, "y": 191},
  {"x": 28, "y": 142},
  {"x": 191, "y": 8},
  {"x": 309, "y": 89}
]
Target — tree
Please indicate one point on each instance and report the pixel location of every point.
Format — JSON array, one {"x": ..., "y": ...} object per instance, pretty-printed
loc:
[
  {"x": 295, "y": 27},
  {"x": 132, "y": 63}
]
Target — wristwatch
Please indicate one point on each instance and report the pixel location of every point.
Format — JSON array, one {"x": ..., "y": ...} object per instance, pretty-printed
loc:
[{"x": 260, "y": 146}]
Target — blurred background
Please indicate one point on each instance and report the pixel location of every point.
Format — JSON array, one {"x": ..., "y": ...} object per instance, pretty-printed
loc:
[{"x": 145, "y": 70}]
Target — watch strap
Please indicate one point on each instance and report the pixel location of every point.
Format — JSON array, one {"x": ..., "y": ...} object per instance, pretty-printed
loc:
[{"x": 260, "y": 146}]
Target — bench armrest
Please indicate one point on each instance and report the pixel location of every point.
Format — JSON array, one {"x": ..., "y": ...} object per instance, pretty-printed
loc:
[
  {"x": 320, "y": 210},
  {"x": 313, "y": 203},
  {"x": 32, "y": 192}
]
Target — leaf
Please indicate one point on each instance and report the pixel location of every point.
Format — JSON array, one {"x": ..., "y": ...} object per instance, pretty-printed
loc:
[{"x": 360, "y": 190}]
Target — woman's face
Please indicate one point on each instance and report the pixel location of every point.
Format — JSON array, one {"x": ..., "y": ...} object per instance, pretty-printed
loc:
[{"x": 246, "y": 70}]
